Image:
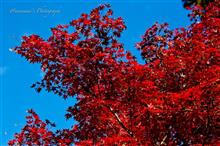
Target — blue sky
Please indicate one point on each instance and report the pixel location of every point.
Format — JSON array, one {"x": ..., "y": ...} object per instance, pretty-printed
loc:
[{"x": 20, "y": 18}]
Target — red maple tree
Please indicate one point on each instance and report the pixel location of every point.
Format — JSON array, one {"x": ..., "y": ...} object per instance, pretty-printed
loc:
[{"x": 173, "y": 99}]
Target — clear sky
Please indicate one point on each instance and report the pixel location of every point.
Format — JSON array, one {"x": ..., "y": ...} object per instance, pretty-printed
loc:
[{"x": 20, "y": 18}]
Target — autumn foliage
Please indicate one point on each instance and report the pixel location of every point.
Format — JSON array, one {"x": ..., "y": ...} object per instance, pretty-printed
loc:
[{"x": 173, "y": 99}]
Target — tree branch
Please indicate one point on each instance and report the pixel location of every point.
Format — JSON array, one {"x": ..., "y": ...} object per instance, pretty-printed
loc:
[{"x": 120, "y": 122}]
